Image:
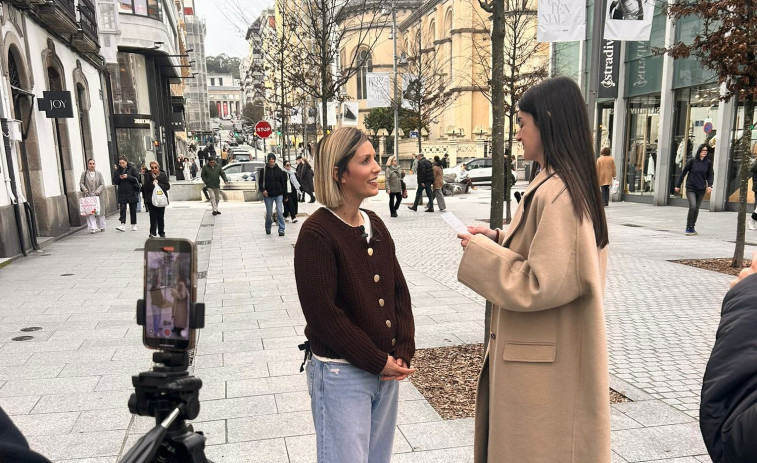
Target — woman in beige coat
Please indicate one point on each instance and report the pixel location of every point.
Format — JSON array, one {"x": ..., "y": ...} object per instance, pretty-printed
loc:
[
  {"x": 605, "y": 173},
  {"x": 543, "y": 389}
]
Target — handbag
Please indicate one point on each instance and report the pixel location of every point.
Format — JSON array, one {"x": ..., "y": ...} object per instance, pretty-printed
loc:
[
  {"x": 615, "y": 186},
  {"x": 159, "y": 198},
  {"x": 89, "y": 205},
  {"x": 404, "y": 189}
]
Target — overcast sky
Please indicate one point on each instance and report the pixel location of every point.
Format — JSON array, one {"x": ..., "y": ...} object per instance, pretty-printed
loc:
[{"x": 227, "y": 22}]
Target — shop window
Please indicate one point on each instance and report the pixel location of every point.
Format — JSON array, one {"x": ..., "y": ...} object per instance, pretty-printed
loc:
[
  {"x": 107, "y": 16},
  {"x": 136, "y": 145},
  {"x": 148, "y": 8},
  {"x": 696, "y": 114},
  {"x": 640, "y": 157},
  {"x": 129, "y": 83},
  {"x": 736, "y": 156}
]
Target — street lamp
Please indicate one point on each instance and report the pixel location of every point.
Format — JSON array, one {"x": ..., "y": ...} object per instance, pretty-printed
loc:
[{"x": 394, "y": 65}]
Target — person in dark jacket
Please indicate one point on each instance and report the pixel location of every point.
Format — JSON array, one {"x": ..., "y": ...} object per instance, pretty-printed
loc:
[
  {"x": 13, "y": 444},
  {"x": 126, "y": 179},
  {"x": 305, "y": 176},
  {"x": 425, "y": 182},
  {"x": 753, "y": 170},
  {"x": 153, "y": 177},
  {"x": 699, "y": 182},
  {"x": 272, "y": 183},
  {"x": 728, "y": 409}
]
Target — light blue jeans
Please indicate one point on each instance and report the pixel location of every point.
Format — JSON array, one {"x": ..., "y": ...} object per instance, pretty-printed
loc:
[
  {"x": 279, "y": 211},
  {"x": 355, "y": 413}
]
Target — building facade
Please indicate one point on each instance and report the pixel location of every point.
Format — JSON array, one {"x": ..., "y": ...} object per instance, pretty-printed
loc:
[
  {"x": 665, "y": 109},
  {"x": 144, "y": 50},
  {"x": 196, "y": 91},
  {"x": 224, "y": 95},
  {"x": 49, "y": 46}
]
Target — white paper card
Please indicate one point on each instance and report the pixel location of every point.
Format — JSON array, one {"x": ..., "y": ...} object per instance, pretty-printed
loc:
[{"x": 454, "y": 222}]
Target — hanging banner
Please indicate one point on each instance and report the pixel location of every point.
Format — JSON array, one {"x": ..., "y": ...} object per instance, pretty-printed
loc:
[
  {"x": 561, "y": 20},
  {"x": 331, "y": 109},
  {"x": 350, "y": 113},
  {"x": 377, "y": 89},
  {"x": 629, "y": 20},
  {"x": 609, "y": 69}
]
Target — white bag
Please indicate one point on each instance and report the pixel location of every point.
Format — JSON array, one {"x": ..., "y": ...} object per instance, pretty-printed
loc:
[
  {"x": 159, "y": 198},
  {"x": 615, "y": 186}
]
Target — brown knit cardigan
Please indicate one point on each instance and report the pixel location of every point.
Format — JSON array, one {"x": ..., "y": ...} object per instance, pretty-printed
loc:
[{"x": 353, "y": 293}]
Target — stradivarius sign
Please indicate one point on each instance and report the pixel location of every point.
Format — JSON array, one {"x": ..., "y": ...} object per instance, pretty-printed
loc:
[
  {"x": 609, "y": 66},
  {"x": 56, "y": 104}
]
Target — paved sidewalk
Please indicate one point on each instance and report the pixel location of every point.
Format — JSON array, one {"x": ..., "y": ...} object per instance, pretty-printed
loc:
[{"x": 67, "y": 388}]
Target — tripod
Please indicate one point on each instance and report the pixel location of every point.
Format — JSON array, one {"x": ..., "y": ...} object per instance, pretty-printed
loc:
[{"x": 171, "y": 395}]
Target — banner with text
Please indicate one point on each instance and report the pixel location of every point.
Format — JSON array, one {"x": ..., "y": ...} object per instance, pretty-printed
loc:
[
  {"x": 331, "y": 109},
  {"x": 377, "y": 89},
  {"x": 609, "y": 67},
  {"x": 350, "y": 110},
  {"x": 629, "y": 20},
  {"x": 561, "y": 20}
]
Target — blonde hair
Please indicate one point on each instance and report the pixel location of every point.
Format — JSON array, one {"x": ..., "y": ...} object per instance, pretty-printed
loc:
[
  {"x": 389, "y": 161},
  {"x": 154, "y": 162},
  {"x": 334, "y": 151}
]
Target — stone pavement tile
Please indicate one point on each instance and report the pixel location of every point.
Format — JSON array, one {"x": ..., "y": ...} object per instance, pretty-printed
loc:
[
  {"x": 408, "y": 391},
  {"x": 270, "y": 426},
  {"x": 91, "y": 444},
  {"x": 132, "y": 353},
  {"x": 78, "y": 356},
  {"x": 129, "y": 341},
  {"x": 416, "y": 411},
  {"x": 38, "y": 336},
  {"x": 433, "y": 310},
  {"x": 213, "y": 390},
  {"x": 615, "y": 458},
  {"x": 283, "y": 343},
  {"x": 259, "y": 451},
  {"x": 652, "y": 413},
  {"x": 221, "y": 409},
  {"x": 117, "y": 367},
  {"x": 239, "y": 332},
  {"x": 46, "y": 424},
  {"x": 115, "y": 383},
  {"x": 79, "y": 308},
  {"x": 226, "y": 373},
  {"x": 285, "y": 367},
  {"x": 619, "y": 420},
  {"x": 439, "y": 434},
  {"x": 30, "y": 372},
  {"x": 675, "y": 460},
  {"x": 227, "y": 348},
  {"x": 282, "y": 322},
  {"x": 288, "y": 402},
  {"x": 18, "y": 405},
  {"x": 437, "y": 340},
  {"x": 42, "y": 386},
  {"x": 81, "y": 402},
  {"x": 703, "y": 458},
  {"x": 111, "y": 459},
  {"x": 250, "y": 317},
  {"x": 33, "y": 320},
  {"x": 644, "y": 444},
  {"x": 208, "y": 361},
  {"x": 214, "y": 431},
  {"x": 110, "y": 333},
  {"x": 450, "y": 455},
  {"x": 261, "y": 386},
  {"x": 103, "y": 420},
  {"x": 12, "y": 360}
]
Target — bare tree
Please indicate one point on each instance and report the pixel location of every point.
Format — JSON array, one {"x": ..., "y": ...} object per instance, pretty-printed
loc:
[
  {"x": 428, "y": 91},
  {"x": 525, "y": 64},
  {"x": 320, "y": 30}
]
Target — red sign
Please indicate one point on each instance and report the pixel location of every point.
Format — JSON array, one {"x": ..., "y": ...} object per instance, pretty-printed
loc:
[{"x": 263, "y": 129}]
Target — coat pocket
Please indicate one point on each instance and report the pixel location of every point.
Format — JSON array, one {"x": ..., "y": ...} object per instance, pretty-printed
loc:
[{"x": 536, "y": 352}]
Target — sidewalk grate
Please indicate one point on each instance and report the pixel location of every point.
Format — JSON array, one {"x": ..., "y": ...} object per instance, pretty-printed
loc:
[
  {"x": 207, "y": 224},
  {"x": 66, "y": 274},
  {"x": 31, "y": 328},
  {"x": 22, "y": 338},
  {"x": 632, "y": 225}
]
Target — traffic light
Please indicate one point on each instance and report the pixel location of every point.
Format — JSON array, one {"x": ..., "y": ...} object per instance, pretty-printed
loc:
[{"x": 278, "y": 132}]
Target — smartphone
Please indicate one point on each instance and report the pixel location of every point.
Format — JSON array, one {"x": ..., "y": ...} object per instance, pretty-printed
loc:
[{"x": 170, "y": 289}]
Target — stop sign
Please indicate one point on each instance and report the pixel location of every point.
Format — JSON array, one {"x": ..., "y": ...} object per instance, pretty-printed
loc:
[{"x": 263, "y": 129}]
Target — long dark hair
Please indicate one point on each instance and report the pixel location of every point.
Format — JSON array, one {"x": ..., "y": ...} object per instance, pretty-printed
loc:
[
  {"x": 699, "y": 150},
  {"x": 559, "y": 111}
]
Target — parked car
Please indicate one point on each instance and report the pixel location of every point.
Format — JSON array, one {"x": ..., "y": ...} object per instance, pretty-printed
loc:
[{"x": 479, "y": 170}]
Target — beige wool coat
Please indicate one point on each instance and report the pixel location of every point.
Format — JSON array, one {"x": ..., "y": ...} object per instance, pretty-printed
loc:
[
  {"x": 543, "y": 389},
  {"x": 605, "y": 170}
]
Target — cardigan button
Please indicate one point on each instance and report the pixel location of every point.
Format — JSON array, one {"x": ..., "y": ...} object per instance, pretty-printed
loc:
[
  {"x": 394, "y": 342},
  {"x": 370, "y": 251},
  {"x": 388, "y": 323},
  {"x": 376, "y": 278},
  {"x": 381, "y": 302}
]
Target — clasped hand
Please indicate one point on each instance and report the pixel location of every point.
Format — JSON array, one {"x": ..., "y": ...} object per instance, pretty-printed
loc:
[{"x": 395, "y": 369}]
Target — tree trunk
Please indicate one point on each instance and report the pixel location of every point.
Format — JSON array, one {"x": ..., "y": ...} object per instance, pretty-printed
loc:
[
  {"x": 498, "y": 129},
  {"x": 508, "y": 165},
  {"x": 325, "y": 66},
  {"x": 744, "y": 174}
]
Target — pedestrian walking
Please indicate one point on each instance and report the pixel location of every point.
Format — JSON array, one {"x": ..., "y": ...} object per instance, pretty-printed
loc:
[
  {"x": 272, "y": 182},
  {"x": 92, "y": 183},
  {"x": 298, "y": 171},
  {"x": 359, "y": 350},
  {"x": 306, "y": 180},
  {"x": 753, "y": 170},
  {"x": 605, "y": 173},
  {"x": 393, "y": 179},
  {"x": 445, "y": 161},
  {"x": 126, "y": 179},
  {"x": 542, "y": 392},
  {"x": 211, "y": 175},
  {"x": 425, "y": 178},
  {"x": 464, "y": 178},
  {"x": 187, "y": 169},
  {"x": 438, "y": 183},
  {"x": 202, "y": 156},
  {"x": 726, "y": 417},
  {"x": 193, "y": 169},
  {"x": 179, "y": 312},
  {"x": 155, "y": 177},
  {"x": 292, "y": 193},
  {"x": 699, "y": 181}
]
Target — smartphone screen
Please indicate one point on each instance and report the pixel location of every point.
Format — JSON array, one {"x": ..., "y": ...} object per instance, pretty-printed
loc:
[{"x": 169, "y": 292}]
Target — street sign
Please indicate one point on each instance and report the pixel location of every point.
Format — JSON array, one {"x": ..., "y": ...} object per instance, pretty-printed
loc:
[
  {"x": 56, "y": 104},
  {"x": 263, "y": 129},
  {"x": 414, "y": 134},
  {"x": 707, "y": 127}
]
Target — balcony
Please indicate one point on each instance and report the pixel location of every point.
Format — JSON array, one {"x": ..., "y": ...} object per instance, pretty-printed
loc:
[
  {"x": 85, "y": 39},
  {"x": 59, "y": 16},
  {"x": 25, "y": 4}
]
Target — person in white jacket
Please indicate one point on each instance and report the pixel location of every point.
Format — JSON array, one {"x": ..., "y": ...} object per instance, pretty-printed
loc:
[
  {"x": 92, "y": 183},
  {"x": 292, "y": 193}
]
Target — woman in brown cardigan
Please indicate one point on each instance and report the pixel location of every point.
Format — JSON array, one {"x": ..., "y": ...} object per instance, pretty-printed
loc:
[
  {"x": 605, "y": 173},
  {"x": 357, "y": 306},
  {"x": 542, "y": 391}
]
